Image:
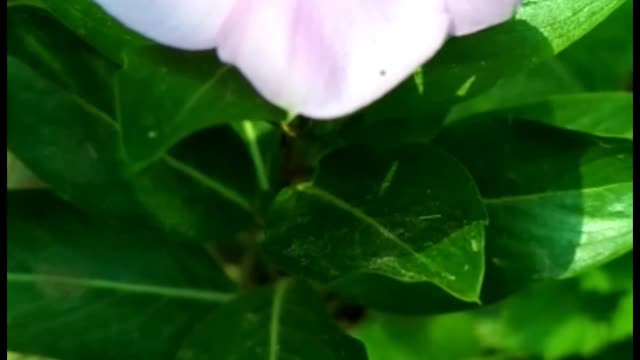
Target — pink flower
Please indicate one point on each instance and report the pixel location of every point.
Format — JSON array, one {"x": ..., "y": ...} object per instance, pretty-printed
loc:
[{"x": 319, "y": 58}]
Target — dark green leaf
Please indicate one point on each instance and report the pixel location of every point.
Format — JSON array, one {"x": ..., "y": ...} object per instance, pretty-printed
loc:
[
  {"x": 411, "y": 213},
  {"x": 86, "y": 19},
  {"x": 75, "y": 148},
  {"x": 165, "y": 95},
  {"x": 603, "y": 59},
  {"x": 34, "y": 37},
  {"x": 282, "y": 322},
  {"x": 469, "y": 65},
  {"x": 78, "y": 289},
  {"x": 559, "y": 202}
]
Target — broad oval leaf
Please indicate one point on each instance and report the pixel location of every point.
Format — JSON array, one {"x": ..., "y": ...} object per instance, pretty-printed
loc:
[
  {"x": 411, "y": 213},
  {"x": 80, "y": 289},
  {"x": 163, "y": 95},
  {"x": 50, "y": 128},
  {"x": 559, "y": 202},
  {"x": 284, "y": 321}
]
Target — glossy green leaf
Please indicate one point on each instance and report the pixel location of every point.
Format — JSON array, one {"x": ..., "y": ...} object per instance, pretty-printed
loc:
[
  {"x": 80, "y": 289},
  {"x": 556, "y": 206},
  {"x": 565, "y": 22},
  {"x": 411, "y": 214},
  {"x": 393, "y": 296},
  {"x": 75, "y": 148},
  {"x": 164, "y": 95},
  {"x": 610, "y": 67},
  {"x": 537, "y": 84},
  {"x": 601, "y": 114},
  {"x": 558, "y": 201},
  {"x": 472, "y": 64},
  {"x": 285, "y": 321}
]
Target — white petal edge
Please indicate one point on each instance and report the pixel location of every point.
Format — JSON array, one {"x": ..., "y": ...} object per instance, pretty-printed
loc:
[
  {"x": 470, "y": 16},
  {"x": 183, "y": 24}
]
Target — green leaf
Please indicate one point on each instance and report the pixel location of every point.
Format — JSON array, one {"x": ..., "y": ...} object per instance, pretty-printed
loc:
[
  {"x": 472, "y": 64},
  {"x": 80, "y": 289},
  {"x": 601, "y": 114},
  {"x": 537, "y": 84},
  {"x": 610, "y": 67},
  {"x": 50, "y": 129},
  {"x": 383, "y": 212},
  {"x": 577, "y": 321},
  {"x": 451, "y": 337},
  {"x": 86, "y": 19},
  {"x": 565, "y": 22},
  {"x": 164, "y": 95},
  {"x": 559, "y": 202},
  {"x": 285, "y": 321},
  {"x": 584, "y": 323},
  {"x": 34, "y": 37}
]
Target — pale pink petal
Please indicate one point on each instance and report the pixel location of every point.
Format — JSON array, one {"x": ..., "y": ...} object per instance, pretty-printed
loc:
[
  {"x": 328, "y": 58},
  {"x": 184, "y": 24},
  {"x": 469, "y": 16},
  {"x": 320, "y": 58}
]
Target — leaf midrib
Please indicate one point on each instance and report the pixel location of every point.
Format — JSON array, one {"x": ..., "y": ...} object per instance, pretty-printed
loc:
[
  {"x": 133, "y": 288},
  {"x": 328, "y": 197},
  {"x": 540, "y": 196}
]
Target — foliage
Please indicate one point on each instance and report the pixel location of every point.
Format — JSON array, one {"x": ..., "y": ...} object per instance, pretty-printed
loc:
[{"x": 158, "y": 208}]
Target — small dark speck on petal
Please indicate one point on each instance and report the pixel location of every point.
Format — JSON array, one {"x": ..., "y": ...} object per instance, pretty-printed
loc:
[{"x": 383, "y": 72}]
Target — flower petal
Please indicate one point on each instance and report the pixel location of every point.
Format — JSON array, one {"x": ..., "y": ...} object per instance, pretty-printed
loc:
[
  {"x": 469, "y": 16},
  {"x": 328, "y": 58},
  {"x": 184, "y": 24}
]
